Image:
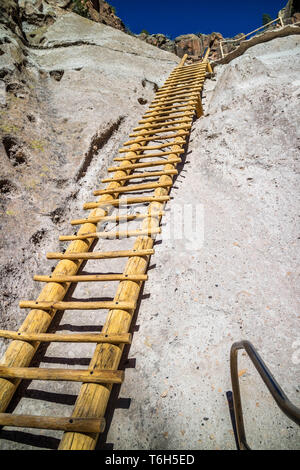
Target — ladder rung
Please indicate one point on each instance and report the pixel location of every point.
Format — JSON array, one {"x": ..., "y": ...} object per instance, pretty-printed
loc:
[
  {"x": 178, "y": 87},
  {"x": 189, "y": 114},
  {"x": 178, "y": 108},
  {"x": 112, "y": 235},
  {"x": 163, "y": 102},
  {"x": 163, "y": 129},
  {"x": 148, "y": 174},
  {"x": 161, "y": 110},
  {"x": 126, "y": 201},
  {"x": 180, "y": 96},
  {"x": 77, "y": 305},
  {"x": 192, "y": 66},
  {"x": 150, "y": 147},
  {"x": 172, "y": 95},
  {"x": 170, "y": 109},
  {"x": 84, "y": 425},
  {"x": 92, "y": 278},
  {"x": 154, "y": 124},
  {"x": 67, "y": 338},
  {"x": 153, "y": 155},
  {"x": 161, "y": 137},
  {"x": 134, "y": 187},
  {"x": 198, "y": 65},
  {"x": 68, "y": 375},
  {"x": 187, "y": 73},
  {"x": 173, "y": 81},
  {"x": 136, "y": 166},
  {"x": 189, "y": 68},
  {"x": 97, "y": 255},
  {"x": 113, "y": 218},
  {"x": 196, "y": 68}
]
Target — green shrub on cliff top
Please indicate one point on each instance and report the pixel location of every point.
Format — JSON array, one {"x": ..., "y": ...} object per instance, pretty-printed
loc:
[{"x": 80, "y": 7}]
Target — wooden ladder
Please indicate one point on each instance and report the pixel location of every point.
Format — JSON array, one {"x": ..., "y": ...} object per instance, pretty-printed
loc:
[{"x": 169, "y": 121}]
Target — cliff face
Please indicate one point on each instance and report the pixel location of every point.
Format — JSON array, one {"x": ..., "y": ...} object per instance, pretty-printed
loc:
[
  {"x": 242, "y": 172},
  {"x": 104, "y": 13},
  {"x": 35, "y": 15},
  {"x": 291, "y": 12},
  {"x": 70, "y": 92}
]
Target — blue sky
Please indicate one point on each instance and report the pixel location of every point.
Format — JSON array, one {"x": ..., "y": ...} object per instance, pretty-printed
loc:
[{"x": 176, "y": 17}]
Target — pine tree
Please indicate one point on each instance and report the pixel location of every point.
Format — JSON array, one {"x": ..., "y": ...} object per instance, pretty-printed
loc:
[{"x": 266, "y": 19}]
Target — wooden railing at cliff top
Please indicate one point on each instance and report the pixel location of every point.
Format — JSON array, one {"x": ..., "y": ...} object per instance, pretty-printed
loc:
[
  {"x": 248, "y": 34},
  {"x": 168, "y": 124}
]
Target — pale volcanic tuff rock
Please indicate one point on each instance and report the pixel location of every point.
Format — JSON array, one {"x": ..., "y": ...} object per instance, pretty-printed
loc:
[
  {"x": 67, "y": 104},
  {"x": 69, "y": 96},
  {"x": 242, "y": 175}
]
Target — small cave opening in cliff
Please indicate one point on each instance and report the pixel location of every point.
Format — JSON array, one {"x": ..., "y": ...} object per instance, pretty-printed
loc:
[
  {"x": 13, "y": 150},
  {"x": 6, "y": 186}
]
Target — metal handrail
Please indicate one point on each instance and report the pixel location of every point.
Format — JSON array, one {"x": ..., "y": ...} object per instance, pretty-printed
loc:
[{"x": 288, "y": 408}]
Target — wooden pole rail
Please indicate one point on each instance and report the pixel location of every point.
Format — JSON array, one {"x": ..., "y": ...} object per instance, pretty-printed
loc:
[{"x": 242, "y": 38}]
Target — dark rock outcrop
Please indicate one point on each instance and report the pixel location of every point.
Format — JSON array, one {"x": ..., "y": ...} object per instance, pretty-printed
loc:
[
  {"x": 192, "y": 44},
  {"x": 291, "y": 12},
  {"x": 159, "y": 40},
  {"x": 102, "y": 12}
]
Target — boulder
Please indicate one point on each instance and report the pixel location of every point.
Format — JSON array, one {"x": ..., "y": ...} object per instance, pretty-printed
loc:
[{"x": 188, "y": 44}]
